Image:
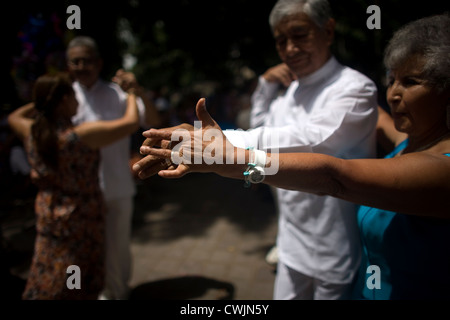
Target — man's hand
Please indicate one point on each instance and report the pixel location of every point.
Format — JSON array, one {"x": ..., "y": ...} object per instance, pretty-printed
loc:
[
  {"x": 151, "y": 165},
  {"x": 281, "y": 74},
  {"x": 193, "y": 147},
  {"x": 127, "y": 81}
]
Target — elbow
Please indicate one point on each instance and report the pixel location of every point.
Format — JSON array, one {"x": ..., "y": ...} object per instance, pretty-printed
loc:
[{"x": 335, "y": 189}]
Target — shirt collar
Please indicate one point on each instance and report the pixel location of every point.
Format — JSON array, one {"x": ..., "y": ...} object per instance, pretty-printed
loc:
[
  {"x": 323, "y": 72},
  {"x": 84, "y": 88}
]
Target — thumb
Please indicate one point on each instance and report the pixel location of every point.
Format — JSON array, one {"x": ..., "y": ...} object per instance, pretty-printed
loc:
[{"x": 203, "y": 115}]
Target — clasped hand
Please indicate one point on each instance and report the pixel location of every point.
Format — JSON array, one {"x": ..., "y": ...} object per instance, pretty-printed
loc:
[
  {"x": 176, "y": 151},
  {"x": 126, "y": 80}
]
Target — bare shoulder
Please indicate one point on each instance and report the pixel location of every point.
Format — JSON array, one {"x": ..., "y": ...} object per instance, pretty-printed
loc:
[
  {"x": 441, "y": 149},
  {"x": 429, "y": 164}
]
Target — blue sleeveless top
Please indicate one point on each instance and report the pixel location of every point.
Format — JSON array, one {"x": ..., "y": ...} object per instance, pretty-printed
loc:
[{"x": 411, "y": 252}]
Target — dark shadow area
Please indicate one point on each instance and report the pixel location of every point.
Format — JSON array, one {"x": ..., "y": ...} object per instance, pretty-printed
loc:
[
  {"x": 183, "y": 288},
  {"x": 12, "y": 286},
  {"x": 164, "y": 210},
  {"x": 17, "y": 234},
  {"x": 168, "y": 209}
]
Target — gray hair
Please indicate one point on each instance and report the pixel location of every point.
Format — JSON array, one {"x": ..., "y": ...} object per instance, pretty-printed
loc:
[
  {"x": 318, "y": 10},
  {"x": 428, "y": 38},
  {"x": 84, "y": 41}
]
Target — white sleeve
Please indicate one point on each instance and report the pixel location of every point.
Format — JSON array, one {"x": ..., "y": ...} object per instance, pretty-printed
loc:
[
  {"x": 339, "y": 124},
  {"x": 262, "y": 97},
  {"x": 141, "y": 109}
]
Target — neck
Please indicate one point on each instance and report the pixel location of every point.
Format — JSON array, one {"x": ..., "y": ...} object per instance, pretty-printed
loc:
[
  {"x": 88, "y": 85},
  {"x": 423, "y": 143}
]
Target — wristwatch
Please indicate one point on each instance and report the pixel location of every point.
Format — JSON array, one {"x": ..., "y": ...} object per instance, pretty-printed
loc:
[
  {"x": 256, "y": 175},
  {"x": 255, "y": 170}
]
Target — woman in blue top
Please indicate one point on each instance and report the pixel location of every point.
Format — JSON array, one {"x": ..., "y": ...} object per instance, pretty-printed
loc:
[{"x": 405, "y": 214}]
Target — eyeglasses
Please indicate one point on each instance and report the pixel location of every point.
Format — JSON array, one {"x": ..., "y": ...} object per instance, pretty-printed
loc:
[{"x": 85, "y": 61}]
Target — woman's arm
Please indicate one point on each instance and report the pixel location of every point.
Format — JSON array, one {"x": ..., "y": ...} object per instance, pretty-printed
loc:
[
  {"x": 387, "y": 136},
  {"x": 97, "y": 134},
  {"x": 415, "y": 183},
  {"x": 20, "y": 121}
]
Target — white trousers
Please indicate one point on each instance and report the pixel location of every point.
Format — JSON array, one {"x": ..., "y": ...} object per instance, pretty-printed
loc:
[
  {"x": 118, "y": 248},
  {"x": 293, "y": 285}
]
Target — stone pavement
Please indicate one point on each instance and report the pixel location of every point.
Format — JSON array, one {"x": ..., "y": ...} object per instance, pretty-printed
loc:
[
  {"x": 202, "y": 237},
  {"x": 198, "y": 237}
]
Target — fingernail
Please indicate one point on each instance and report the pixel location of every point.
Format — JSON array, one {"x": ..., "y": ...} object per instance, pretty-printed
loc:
[
  {"x": 136, "y": 167},
  {"x": 141, "y": 175}
]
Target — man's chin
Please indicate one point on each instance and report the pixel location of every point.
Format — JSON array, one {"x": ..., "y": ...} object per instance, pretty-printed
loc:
[{"x": 86, "y": 82}]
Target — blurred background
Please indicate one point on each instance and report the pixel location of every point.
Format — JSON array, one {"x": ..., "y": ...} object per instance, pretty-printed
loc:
[
  {"x": 182, "y": 47},
  {"x": 179, "y": 50}
]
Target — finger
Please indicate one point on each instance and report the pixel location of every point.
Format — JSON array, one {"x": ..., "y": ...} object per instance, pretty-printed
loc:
[
  {"x": 151, "y": 171},
  {"x": 151, "y": 142},
  {"x": 148, "y": 166},
  {"x": 293, "y": 75},
  {"x": 117, "y": 80},
  {"x": 118, "y": 76},
  {"x": 286, "y": 81},
  {"x": 145, "y": 162},
  {"x": 158, "y": 134},
  {"x": 165, "y": 144},
  {"x": 159, "y": 153},
  {"x": 286, "y": 76},
  {"x": 179, "y": 172},
  {"x": 203, "y": 115}
]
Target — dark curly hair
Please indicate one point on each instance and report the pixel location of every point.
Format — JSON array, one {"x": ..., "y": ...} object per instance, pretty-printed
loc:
[{"x": 48, "y": 91}]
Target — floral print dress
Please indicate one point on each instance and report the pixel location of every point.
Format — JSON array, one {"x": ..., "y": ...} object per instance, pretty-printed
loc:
[{"x": 70, "y": 212}]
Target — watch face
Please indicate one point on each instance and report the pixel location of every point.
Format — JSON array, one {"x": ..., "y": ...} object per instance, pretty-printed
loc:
[{"x": 256, "y": 175}]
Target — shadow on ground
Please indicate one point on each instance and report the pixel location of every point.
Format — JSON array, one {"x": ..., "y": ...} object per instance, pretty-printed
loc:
[
  {"x": 167, "y": 209},
  {"x": 184, "y": 288}
]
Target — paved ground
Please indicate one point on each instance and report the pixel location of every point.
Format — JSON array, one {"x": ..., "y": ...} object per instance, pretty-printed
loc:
[{"x": 199, "y": 237}]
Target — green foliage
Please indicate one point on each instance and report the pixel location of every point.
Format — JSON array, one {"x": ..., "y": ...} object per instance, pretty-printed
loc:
[{"x": 180, "y": 43}]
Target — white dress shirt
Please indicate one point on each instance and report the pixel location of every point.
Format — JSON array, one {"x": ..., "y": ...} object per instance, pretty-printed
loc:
[
  {"x": 107, "y": 101},
  {"x": 332, "y": 111}
]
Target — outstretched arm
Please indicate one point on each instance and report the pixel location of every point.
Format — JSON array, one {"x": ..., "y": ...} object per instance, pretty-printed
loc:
[{"x": 416, "y": 183}]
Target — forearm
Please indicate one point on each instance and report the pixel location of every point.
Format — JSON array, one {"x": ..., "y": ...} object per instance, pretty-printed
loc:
[
  {"x": 131, "y": 115},
  {"x": 20, "y": 120},
  {"x": 307, "y": 172},
  {"x": 97, "y": 134},
  {"x": 415, "y": 184},
  {"x": 313, "y": 173},
  {"x": 25, "y": 111}
]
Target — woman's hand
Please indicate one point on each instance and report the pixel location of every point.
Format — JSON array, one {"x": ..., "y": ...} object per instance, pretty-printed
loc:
[{"x": 185, "y": 148}]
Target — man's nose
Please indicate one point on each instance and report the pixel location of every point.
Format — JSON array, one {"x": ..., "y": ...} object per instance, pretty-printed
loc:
[{"x": 291, "y": 46}]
